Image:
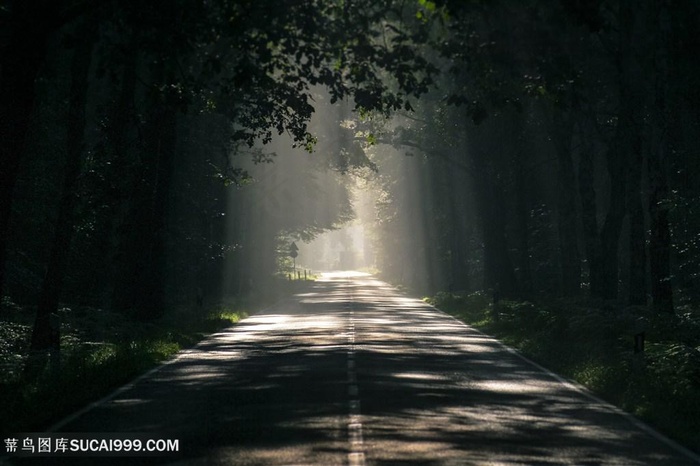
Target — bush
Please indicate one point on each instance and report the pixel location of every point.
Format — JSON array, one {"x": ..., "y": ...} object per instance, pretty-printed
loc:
[
  {"x": 100, "y": 350},
  {"x": 594, "y": 345}
]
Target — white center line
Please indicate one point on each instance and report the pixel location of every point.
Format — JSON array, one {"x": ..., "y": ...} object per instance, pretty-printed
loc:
[{"x": 356, "y": 454}]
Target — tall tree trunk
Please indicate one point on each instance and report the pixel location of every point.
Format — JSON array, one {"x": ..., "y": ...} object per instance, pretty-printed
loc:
[
  {"x": 660, "y": 238},
  {"x": 637, "y": 241},
  {"x": 42, "y": 336},
  {"x": 20, "y": 63},
  {"x": 459, "y": 280},
  {"x": 569, "y": 257},
  {"x": 589, "y": 212},
  {"x": 139, "y": 290},
  {"x": 140, "y": 259},
  {"x": 522, "y": 218},
  {"x": 498, "y": 267},
  {"x": 121, "y": 120},
  {"x": 608, "y": 259},
  {"x": 660, "y": 234},
  {"x": 620, "y": 153},
  {"x": 629, "y": 142},
  {"x": 163, "y": 146},
  {"x": 485, "y": 150}
]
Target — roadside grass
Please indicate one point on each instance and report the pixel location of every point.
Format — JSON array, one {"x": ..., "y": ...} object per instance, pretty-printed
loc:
[
  {"x": 100, "y": 350},
  {"x": 593, "y": 344}
]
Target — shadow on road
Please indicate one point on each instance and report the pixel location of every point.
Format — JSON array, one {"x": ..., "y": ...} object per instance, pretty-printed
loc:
[{"x": 274, "y": 390}]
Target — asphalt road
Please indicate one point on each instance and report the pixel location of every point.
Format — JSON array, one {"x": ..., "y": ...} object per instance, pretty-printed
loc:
[{"x": 354, "y": 373}]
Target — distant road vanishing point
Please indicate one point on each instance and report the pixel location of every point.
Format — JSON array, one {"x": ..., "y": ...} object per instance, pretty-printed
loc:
[{"x": 354, "y": 373}]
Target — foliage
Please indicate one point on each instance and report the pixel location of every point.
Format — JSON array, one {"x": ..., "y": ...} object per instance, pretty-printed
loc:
[
  {"x": 594, "y": 346},
  {"x": 249, "y": 71},
  {"x": 99, "y": 351},
  {"x": 191, "y": 102}
]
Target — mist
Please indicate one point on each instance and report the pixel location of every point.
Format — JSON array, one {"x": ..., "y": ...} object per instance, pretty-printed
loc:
[
  {"x": 443, "y": 147},
  {"x": 171, "y": 167}
]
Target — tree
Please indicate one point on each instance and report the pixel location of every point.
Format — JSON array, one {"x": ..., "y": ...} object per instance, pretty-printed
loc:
[
  {"x": 253, "y": 64},
  {"x": 22, "y": 54},
  {"x": 43, "y": 337}
]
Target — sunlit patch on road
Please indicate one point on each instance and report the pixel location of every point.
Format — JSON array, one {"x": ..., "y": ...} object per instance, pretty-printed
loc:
[
  {"x": 352, "y": 372},
  {"x": 539, "y": 387},
  {"x": 342, "y": 275}
]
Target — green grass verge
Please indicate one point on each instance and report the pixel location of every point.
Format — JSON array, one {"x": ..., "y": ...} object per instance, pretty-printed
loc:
[
  {"x": 100, "y": 351},
  {"x": 593, "y": 344}
]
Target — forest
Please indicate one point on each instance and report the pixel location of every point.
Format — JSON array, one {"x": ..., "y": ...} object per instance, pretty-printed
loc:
[{"x": 538, "y": 158}]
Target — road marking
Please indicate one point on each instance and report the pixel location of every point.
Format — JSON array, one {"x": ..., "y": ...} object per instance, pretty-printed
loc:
[
  {"x": 356, "y": 459},
  {"x": 355, "y": 430},
  {"x": 356, "y": 453}
]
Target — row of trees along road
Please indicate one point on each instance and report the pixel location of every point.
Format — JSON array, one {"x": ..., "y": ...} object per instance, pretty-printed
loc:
[
  {"x": 556, "y": 145},
  {"x": 557, "y": 155},
  {"x": 119, "y": 119}
]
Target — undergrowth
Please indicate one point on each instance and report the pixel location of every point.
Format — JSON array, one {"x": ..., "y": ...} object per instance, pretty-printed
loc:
[
  {"x": 100, "y": 350},
  {"x": 594, "y": 345}
]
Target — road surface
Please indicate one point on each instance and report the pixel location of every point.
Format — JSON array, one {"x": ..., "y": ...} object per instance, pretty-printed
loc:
[{"x": 354, "y": 373}]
